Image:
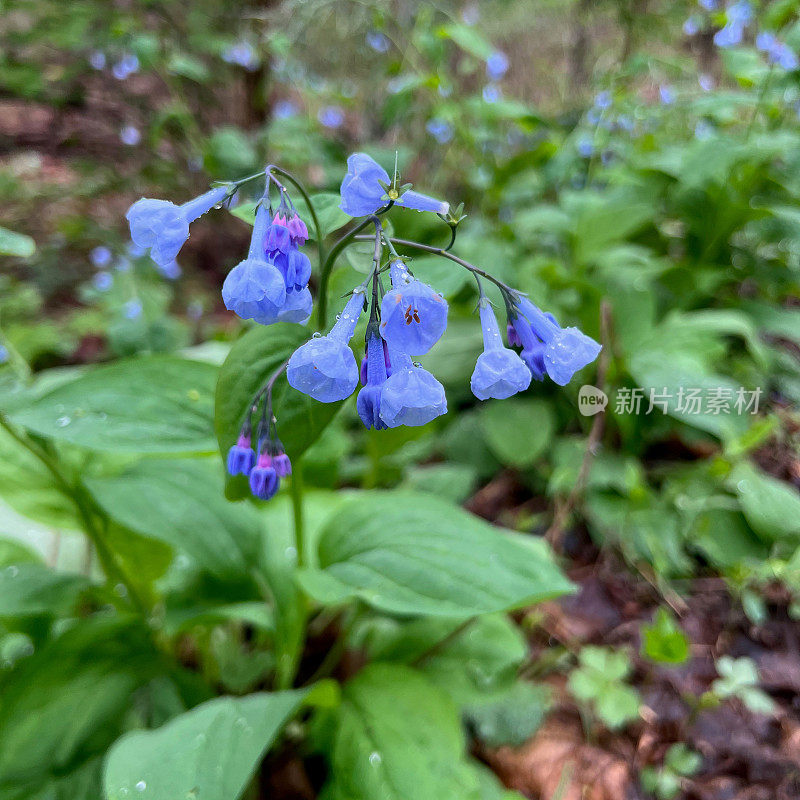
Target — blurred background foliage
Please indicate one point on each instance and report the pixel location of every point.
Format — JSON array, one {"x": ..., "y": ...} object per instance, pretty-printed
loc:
[{"x": 632, "y": 169}]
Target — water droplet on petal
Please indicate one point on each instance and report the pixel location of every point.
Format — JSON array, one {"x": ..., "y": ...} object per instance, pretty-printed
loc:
[
  {"x": 375, "y": 759},
  {"x": 141, "y": 786},
  {"x": 62, "y": 422},
  {"x": 316, "y": 335}
]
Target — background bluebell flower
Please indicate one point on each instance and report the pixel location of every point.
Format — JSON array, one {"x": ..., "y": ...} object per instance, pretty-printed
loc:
[
  {"x": 241, "y": 457},
  {"x": 363, "y": 194},
  {"x": 411, "y": 396},
  {"x": 497, "y": 65},
  {"x": 413, "y": 315},
  {"x": 255, "y": 288},
  {"x": 331, "y": 116},
  {"x": 324, "y": 367},
  {"x": 499, "y": 372},
  {"x": 368, "y": 402},
  {"x": 264, "y": 480},
  {"x": 163, "y": 228},
  {"x": 100, "y": 256}
]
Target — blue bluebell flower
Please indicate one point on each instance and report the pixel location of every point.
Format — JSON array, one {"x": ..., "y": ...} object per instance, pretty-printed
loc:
[
  {"x": 368, "y": 402},
  {"x": 777, "y": 52},
  {"x": 706, "y": 81},
  {"x": 103, "y": 281},
  {"x": 411, "y": 395},
  {"x": 331, "y": 116},
  {"x": 666, "y": 95},
  {"x": 585, "y": 147},
  {"x": 691, "y": 26},
  {"x": 241, "y": 456},
  {"x": 264, "y": 480},
  {"x": 297, "y": 230},
  {"x": 603, "y": 100},
  {"x": 499, "y": 372},
  {"x": 130, "y": 135},
  {"x": 378, "y": 41},
  {"x": 97, "y": 60},
  {"x": 125, "y": 67},
  {"x": 708, "y": 5},
  {"x": 100, "y": 256},
  {"x": 491, "y": 93},
  {"x": 765, "y": 41},
  {"x": 171, "y": 271},
  {"x": 740, "y": 13},
  {"x": 3, "y": 354},
  {"x": 324, "y": 367},
  {"x": 255, "y": 289},
  {"x": 295, "y": 268},
  {"x": 284, "y": 109},
  {"x": 133, "y": 308},
  {"x": 413, "y": 315},
  {"x": 278, "y": 239},
  {"x": 363, "y": 194},
  {"x": 440, "y": 129},
  {"x": 243, "y": 54},
  {"x": 163, "y": 228},
  {"x": 297, "y": 308},
  {"x": 729, "y": 35},
  {"x": 561, "y": 352},
  {"x": 282, "y": 465},
  {"x": 497, "y": 65}
]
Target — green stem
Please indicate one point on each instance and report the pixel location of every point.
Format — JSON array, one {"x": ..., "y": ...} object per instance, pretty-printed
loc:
[
  {"x": 759, "y": 102},
  {"x": 78, "y": 494},
  {"x": 327, "y": 266},
  {"x": 297, "y": 512}
]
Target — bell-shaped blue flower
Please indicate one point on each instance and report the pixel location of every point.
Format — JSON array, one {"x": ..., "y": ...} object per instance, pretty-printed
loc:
[
  {"x": 411, "y": 396},
  {"x": 264, "y": 480},
  {"x": 241, "y": 457},
  {"x": 368, "y": 402},
  {"x": 560, "y": 351},
  {"x": 282, "y": 465},
  {"x": 295, "y": 267},
  {"x": 298, "y": 230},
  {"x": 255, "y": 289},
  {"x": 363, "y": 193},
  {"x": 324, "y": 367},
  {"x": 413, "y": 315},
  {"x": 278, "y": 239},
  {"x": 297, "y": 308},
  {"x": 499, "y": 372},
  {"x": 163, "y": 228}
]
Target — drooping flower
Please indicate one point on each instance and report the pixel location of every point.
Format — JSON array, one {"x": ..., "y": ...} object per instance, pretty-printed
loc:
[
  {"x": 264, "y": 480},
  {"x": 295, "y": 268},
  {"x": 499, "y": 372},
  {"x": 163, "y": 228},
  {"x": 411, "y": 396},
  {"x": 297, "y": 308},
  {"x": 561, "y": 352},
  {"x": 282, "y": 465},
  {"x": 368, "y": 402},
  {"x": 241, "y": 457},
  {"x": 254, "y": 288},
  {"x": 278, "y": 239},
  {"x": 298, "y": 230},
  {"x": 413, "y": 315},
  {"x": 324, "y": 367},
  {"x": 363, "y": 193}
]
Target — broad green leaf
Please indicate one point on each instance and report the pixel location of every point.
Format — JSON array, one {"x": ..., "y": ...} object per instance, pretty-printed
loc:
[
  {"x": 16, "y": 244},
  {"x": 467, "y": 664},
  {"x": 181, "y": 503},
  {"x": 153, "y": 404},
  {"x": 518, "y": 431},
  {"x": 210, "y": 752},
  {"x": 66, "y": 700},
  {"x": 468, "y": 38},
  {"x": 407, "y": 553},
  {"x": 29, "y": 589},
  {"x": 772, "y": 507},
  {"x": 30, "y": 489},
  {"x": 251, "y": 362},
  {"x": 723, "y": 536},
  {"x": 509, "y": 716},
  {"x": 398, "y": 738}
]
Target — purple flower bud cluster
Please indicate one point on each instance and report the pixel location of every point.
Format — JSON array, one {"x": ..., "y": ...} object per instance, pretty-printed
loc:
[{"x": 264, "y": 466}]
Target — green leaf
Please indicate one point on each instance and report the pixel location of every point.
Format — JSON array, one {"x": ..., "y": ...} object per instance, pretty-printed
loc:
[
  {"x": 66, "y": 700},
  {"x": 478, "y": 660},
  {"x": 518, "y": 431},
  {"x": 468, "y": 38},
  {"x": 510, "y": 716},
  {"x": 618, "y": 705},
  {"x": 663, "y": 641},
  {"x": 31, "y": 589},
  {"x": 398, "y": 738},
  {"x": 772, "y": 507},
  {"x": 154, "y": 404},
  {"x": 406, "y": 553},
  {"x": 250, "y": 363},
  {"x": 16, "y": 244},
  {"x": 210, "y": 752},
  {"x": 185, "y": 508}
]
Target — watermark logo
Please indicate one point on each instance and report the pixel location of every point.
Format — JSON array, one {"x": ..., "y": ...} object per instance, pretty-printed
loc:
[{"x": 591, "y": 400}]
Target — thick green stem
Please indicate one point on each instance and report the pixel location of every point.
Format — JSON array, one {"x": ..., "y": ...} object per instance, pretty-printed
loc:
[
  {"x": 327, "y": 266},
  {"x": 297, "y": 512},
  {"x": 78, "y": 494}
]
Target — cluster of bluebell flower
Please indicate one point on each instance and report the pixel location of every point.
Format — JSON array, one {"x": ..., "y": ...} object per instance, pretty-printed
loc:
[{"x": 405, "y": 319}]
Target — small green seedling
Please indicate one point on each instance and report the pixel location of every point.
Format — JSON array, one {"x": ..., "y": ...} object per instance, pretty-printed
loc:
[
  {"x": 679, "y": 763},
  {"x": 739, "y": 679},
  {"x": 663, "y": 641}
]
